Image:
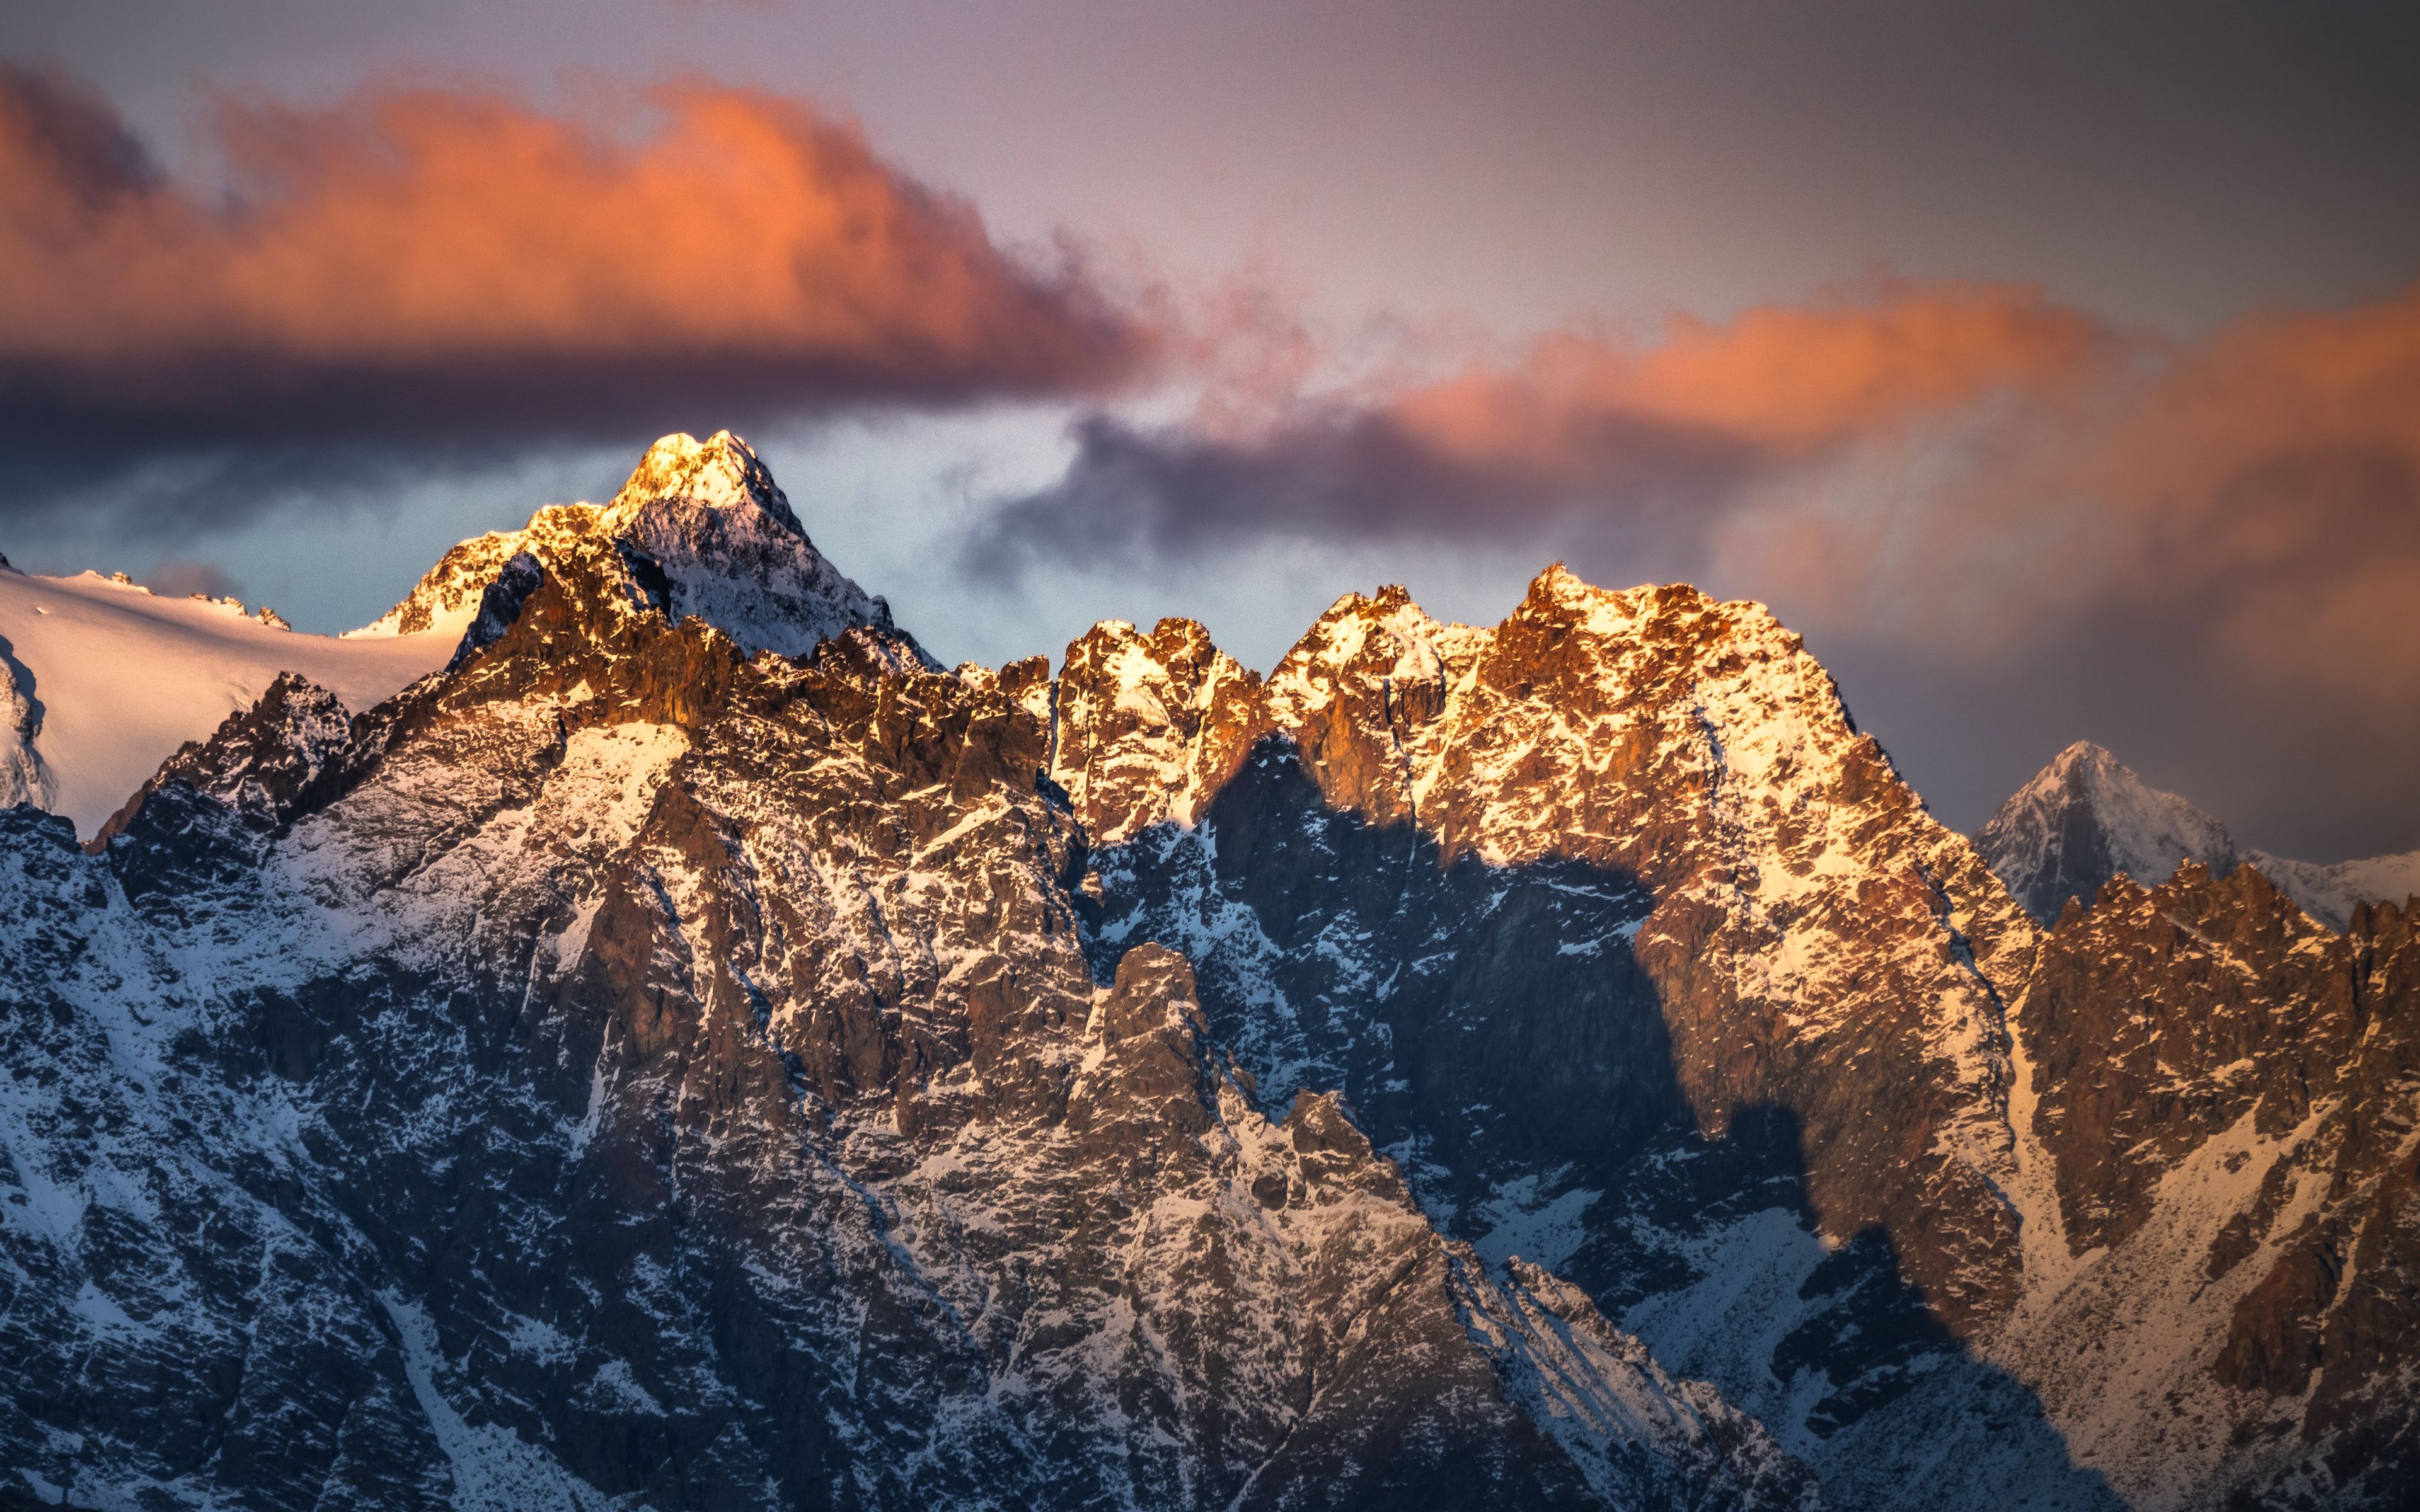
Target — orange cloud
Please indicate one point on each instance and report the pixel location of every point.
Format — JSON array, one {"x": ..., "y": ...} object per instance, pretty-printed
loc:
[
  {"x": 442, "y": 259},
  {"x": 2210, "y": 554},
  {"x": 2260, "y": 488},
  {"x": 1786, "y": 381}
]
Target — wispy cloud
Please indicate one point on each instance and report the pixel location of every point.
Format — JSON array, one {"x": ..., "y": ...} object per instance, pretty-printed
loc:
[{"x": 1584, "y": 425}]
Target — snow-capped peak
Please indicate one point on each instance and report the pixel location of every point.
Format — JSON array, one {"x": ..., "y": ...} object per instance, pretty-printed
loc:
[
  {"x": 721, "y": 472},
  {"x": 1384, "y": 638},
  {"x": 708, "y": 517},
  {"x": 2084, "y": 819}
]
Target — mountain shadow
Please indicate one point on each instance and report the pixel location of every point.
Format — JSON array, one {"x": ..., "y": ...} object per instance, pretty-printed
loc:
[{"x": 1490, "y": 1027}]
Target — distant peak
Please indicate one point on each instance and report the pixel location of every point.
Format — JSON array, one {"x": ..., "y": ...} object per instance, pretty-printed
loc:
[
  {"x": 2084, "y": 753},
  {"x": 2091, "y": 773},
  {"x": 2096, "y": 777},
  {"x": 2087, "y": 817},
  {"x": 707, "y": 524},
  {"x": 722, "y": 472}
]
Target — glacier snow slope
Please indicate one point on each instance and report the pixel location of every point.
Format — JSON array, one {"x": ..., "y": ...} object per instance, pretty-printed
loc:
[{"x": 101, "y": 681}]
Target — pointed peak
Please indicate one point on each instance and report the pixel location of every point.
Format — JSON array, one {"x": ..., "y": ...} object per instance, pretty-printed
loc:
[
  {"x": 2087, "y": 817},
  {"x": 2094, "y": 774},
  {"x": 2086, "y": 753},
  {"x": 722, "y": 472},
  {"x": 715, "y": 535}
]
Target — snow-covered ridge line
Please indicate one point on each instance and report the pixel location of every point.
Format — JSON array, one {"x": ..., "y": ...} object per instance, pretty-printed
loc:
[
  {"x": 2330, "y": 892},
  {"x": 228, "y": 603},
  {"x": 104, "y": 680}
]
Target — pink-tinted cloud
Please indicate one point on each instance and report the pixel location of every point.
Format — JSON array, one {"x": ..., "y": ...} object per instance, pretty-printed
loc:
[
  {"x": 428, "y": 263},
  {"x": 1582, "y": 424},
  {"x": 2261, "y": 489},
  {"x": 1788, "y": 383},
  {"x": 2209, "y": 559}
]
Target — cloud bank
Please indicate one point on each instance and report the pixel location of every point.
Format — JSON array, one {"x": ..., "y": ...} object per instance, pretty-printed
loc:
[
  {"x": 1974, "y": 487},
  {"x": 422, "y": 264}
]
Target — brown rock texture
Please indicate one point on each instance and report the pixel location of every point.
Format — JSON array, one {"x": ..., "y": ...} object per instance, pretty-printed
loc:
[
  {"x": 2228, "y": 1096},
  {"x": 1618, "y": 932}
]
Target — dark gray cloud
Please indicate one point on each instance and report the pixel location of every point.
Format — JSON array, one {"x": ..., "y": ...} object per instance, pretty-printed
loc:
[
  {"x": 176, "y": 577},
  {"x": 1586, "y": 428},
  {"x": 1133, "y": 493}
]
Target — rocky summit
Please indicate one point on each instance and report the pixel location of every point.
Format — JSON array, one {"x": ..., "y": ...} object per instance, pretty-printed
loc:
[{"x": 694, "y": 1052}]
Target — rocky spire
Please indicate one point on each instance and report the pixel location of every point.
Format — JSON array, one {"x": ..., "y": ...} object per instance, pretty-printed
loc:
[{"x": 721, "y": 472}]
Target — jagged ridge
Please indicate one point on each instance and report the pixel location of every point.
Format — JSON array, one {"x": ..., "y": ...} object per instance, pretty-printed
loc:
[{"x": 626, "y": 1066}]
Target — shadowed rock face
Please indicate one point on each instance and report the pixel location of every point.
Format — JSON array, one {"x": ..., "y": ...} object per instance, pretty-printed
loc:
[
  {"x": 1743, "y": 870},
  {"x": 1641, "y": 960},
  {"x": 1557, "y": 1065},
  {"x": 260, "y": 763},
  {"x": 1633, "y": 952}
]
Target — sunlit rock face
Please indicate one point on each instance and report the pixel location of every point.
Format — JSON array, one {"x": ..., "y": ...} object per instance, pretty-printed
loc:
[
  {"x": 2223, "y": 1091},
  {"x": 692, "y": 1053},
  {"x": 700, "y": 529}
]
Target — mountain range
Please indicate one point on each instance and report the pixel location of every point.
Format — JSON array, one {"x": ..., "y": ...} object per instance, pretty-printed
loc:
[{"x": 631, "y": 1030}]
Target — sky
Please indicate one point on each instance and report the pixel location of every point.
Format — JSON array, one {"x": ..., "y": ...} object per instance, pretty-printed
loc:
[{"x": 2054, "y": 368}]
